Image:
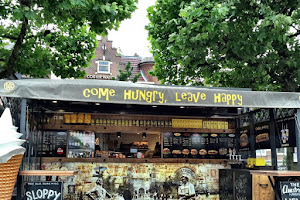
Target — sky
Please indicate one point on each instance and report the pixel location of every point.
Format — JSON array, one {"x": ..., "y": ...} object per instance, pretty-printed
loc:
[{"x": 131, "y": 37}]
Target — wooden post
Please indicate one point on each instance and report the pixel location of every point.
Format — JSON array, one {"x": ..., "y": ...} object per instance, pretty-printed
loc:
[
  {"x": 22, "y": 130},
  {"x": 297, "y": 128},
  {"x": 272, "y": 139},
  {"x": 252, "y": 136}
]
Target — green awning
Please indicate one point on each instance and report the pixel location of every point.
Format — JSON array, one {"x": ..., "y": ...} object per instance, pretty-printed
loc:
[{"x": 107, "y": 91}]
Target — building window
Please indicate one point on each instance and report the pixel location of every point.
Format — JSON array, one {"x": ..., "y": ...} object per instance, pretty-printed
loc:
[{"x": 103, "y": 66}]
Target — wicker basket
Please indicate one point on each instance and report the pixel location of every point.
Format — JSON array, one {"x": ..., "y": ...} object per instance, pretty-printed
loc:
[{"x": 8, "y": 175}]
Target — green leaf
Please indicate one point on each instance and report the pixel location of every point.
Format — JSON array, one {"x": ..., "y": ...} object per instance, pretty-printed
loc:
[
  {"x": 30, "y": 15},
  {"x": 183, "y": 13},
  {"x": 250, "y": 42},
  {"x": 17, "y": 14},
  {"x": 60, "y": 36}
]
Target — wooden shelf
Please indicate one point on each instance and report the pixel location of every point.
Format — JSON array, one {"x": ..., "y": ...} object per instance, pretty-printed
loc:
[
  {"x": 46, "y": 173},
  {"x": 113, "y": 129},
  {"x": 135, "y": 160}
]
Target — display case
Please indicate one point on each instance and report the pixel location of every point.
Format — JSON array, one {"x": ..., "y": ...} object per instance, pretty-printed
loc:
[{"x": 81, "y": 144}]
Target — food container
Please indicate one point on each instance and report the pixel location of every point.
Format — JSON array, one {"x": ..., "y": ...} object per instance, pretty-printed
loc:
[
  {"x": 87, "y": 118},
  {"x": 80, "y": 118},
  {"x": 74, "y": 118},
  {"x": 67, "y": 118}
]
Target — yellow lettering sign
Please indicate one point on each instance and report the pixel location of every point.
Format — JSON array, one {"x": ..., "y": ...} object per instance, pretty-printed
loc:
[
  {"x": 229, "y": 99},
  {"x": 100, "y": 92},
  {"x": 190, "y": 97},
  {"x": 145, "y": 95}
]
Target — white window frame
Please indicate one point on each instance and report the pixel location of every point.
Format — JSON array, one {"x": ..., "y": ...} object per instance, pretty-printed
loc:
[{"x": 98, "y": 65}]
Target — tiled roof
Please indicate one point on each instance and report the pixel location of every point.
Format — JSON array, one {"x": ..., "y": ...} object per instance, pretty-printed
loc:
[{"x": 134, "y": 62}]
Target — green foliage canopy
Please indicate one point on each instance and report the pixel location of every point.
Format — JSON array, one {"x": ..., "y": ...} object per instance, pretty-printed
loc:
[
  {"x": 40, "y": 36},
  {"x": 231, "y": 43}
]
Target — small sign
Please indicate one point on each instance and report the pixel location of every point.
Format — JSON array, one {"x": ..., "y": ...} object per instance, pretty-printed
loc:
[
  {"x": 243, "y": 185},
  {"x": 290, "y": 190},
  {"x": 43, "y": 190}
]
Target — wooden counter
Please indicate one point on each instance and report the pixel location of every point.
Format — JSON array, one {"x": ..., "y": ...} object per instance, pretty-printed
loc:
[
  {"x": 274, "y": 177},
  {"x": 46, "y": 173},
  {"x": 135, "y": 160},
  {"x": 275, "y": 173}
]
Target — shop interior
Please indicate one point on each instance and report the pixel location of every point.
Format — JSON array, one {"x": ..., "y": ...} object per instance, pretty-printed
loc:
[{"x": 105, "y": 130}]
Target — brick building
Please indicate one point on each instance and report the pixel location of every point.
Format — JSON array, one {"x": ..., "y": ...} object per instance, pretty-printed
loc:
[
  {"x": 107, "y": 63},
  {"x": 145, "y": 66}
]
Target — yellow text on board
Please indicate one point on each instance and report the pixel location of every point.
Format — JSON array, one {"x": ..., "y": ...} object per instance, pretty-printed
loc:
[
  {"x": 144, "y": 95},
  {"x": 229, "y": 99},
  {"x": 100, "y": 92},
  {"x": 190, "y": 97}
]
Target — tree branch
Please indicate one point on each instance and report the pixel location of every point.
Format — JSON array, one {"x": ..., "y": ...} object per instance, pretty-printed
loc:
[
  {"x": 9, "y": 37},
  {"x": 294, "y": 35},
  {"x": 290, "y": 12},
  {"x": 45, "y": 33},
  {"x": 16, "y": 49}
]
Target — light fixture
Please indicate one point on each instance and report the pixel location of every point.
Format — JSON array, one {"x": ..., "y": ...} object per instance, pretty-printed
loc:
[
  {"x": 181, "y": 107},
  {"x": 54, "y": 101},
  {"x": 104, "y": 50},
  {"x": 119, "y": 134},
  {"x": 154, "y": 106},
  {"x": 97, "y": 104},
  {"x": 144, "y": 135}
]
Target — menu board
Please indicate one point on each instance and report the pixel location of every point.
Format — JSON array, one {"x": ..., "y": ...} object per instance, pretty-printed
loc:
[
  {"x": 262, "y": 136},
  {"x": 285, "y": 129},
  {"x": 244, "y": 139},
  {"x": 44, "y": 190},
  {"x": 243, "y": 185},
  {"x": 290, "y": 190},
  {"x": 226, "y": 184},
  {"x": 54, "y": 143},
  {"x": 197, "y": 145}
]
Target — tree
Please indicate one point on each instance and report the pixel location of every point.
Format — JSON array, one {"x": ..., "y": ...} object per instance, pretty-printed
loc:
[
  {"x": 126, "y": 74},
  {"x": 231, "y": 43},
  {"x": 39, "y": 36}
]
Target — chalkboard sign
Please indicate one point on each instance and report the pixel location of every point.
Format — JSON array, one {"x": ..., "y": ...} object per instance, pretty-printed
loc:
[
  {"x": 262, "y": 136},
  {"x": 285, "y": 129},
  {"x": 43, "y": 190},
  {"x": 54, "y": 143},
  {"x": 243, "y": 185},
  {"x": 197, "y": 145},
  {"x": 244, "y": 139},
  {"x": 290, "y": 190},
  {"x": 226, "y": 184}
]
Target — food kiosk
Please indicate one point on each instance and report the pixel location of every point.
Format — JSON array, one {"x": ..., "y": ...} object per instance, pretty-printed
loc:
[{"x": 136, "y": 141}]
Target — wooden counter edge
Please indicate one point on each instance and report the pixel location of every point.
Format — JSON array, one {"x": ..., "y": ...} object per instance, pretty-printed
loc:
[
  {"x": 135, "y": 160},
  {"x": 275, "y": 173},
  {"x": 46, "y": 173}
]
